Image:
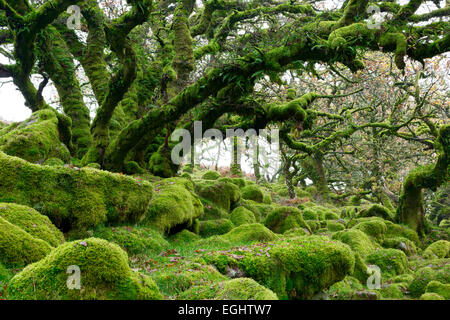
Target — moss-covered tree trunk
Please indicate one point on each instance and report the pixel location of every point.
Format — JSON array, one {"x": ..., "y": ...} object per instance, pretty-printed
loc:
[
  {"x": 410, "y": 210},
  {"x": 235, "y": 167}
]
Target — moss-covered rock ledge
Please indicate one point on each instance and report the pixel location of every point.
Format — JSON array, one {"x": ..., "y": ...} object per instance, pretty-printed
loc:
[{"x": 74, "y": 199}]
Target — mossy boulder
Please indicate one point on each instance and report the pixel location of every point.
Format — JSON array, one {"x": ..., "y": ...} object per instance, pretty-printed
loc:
[
  {"x": 235, "y": 289},
  {"x": 35, "y": 139},
  {"x": 215, "y": 227},
  {"x": 31, "y": 221},
  {"x": 284, "y": 218},
  {"x": 357, "y": 240},
  {"x": 392, "y": 262},
  {"x": 393, "y": 291},
  {"x": 104, "y": 274},
  {"x": 211, "y": 175},
  {"x": 294, "y": 268},
  {"x": 254, "y": 232},
  {"x": 174, "y": 204},
  {"x": 423, "y": 276},
  {"x": 252, "y": 192},
  {"x": 376, "y": 229},
  {"x": 376, "y": 210},
  {"x": 442, "y": 289},
  {"x": 345, "y": 289},
  {"x": 134, "y": 239},
  {"x": 241, "y": 215},
  {"x": 398, "y": 230},
  {"x": 223, "y": 194},
  {"x": 334, "y": 226},
  {"x": 184, "y": 236},
  {"x": 437, "y": 250},
  {"x": 53, "y": 162},
  {"x": 401, "y": 243},
  {"x": 19, "y": 248},
  {"x": 74, "y": 199},
  {"x": 431, "y": 296}
]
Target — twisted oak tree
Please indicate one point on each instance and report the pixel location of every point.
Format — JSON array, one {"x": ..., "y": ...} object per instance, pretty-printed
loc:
[{"x": 161, "y": 65}]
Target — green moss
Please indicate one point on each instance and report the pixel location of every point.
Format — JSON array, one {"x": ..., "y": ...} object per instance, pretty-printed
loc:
[
  {"x": 254, "y": 232},
  {"x": 392, "y": 262},
  {"x": 132, "y": 167},
  {"x": 267, "y": 199},
  {"x": 375, "y": 229},
  {"x": 211, "y": 175},
  {"x": 215, "y": 227},
  {"x": 439, "y": 249},
  {"x": 376, "y": 210},
  {"x": 184, "y": 236},
  {"x": 334, "y": 226},
  {"x": 240, "y": 182},
  {"x": 93, "y": 166},
  {"x": 133, "y": 239},
  {"x": 175, "y": 280},
  {"x": 18, "y": 248},
  {"x": 241, "y": 215},
  {"x": 296, "y": 232},
  {"x": 285, "y": 218},
  {"x": 252, "y": 192},
  {"x": 393, "y": 291},
  {"x": 345, "y": 289},
  {"x": 439, "y": 288},
  {"x": 222, "y": 193},
  {"x": 357, "y": 240},
  {"x": 105, "y": 274},
  {"x": 74, "y": 199},
  {"x": 295, "y": 268},
  {"x": 53, "y": 162},
  {"x": 36, "y": 139},
  {"x": 174, "y": 204},
  {"x": 212, "y": 211},
  {"x": 31, "y": 221},
  {"x": 431, "y": 296},
  {"x": 309, "y": 214},
  {"x": 403, "y": 278},
  {"x": 398, "y": 230},
  {"x": 401, "y": 243},
  {"x": 425, "y": 275}
]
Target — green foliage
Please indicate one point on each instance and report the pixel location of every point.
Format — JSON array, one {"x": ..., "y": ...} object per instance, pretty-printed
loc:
[{"x": 105, "y": 274}]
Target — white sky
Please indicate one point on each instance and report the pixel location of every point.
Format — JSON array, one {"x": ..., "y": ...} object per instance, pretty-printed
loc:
[{"x": 12, "y": 103}]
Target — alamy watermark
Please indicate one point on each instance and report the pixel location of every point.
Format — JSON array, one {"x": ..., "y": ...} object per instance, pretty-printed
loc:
[
  {"x": 74, "y": 21},
  {"x": 374, "y": 281},
  {"x": 74, "y": 279}
]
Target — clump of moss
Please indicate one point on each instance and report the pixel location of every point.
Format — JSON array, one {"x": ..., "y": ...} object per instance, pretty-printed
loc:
[
  {"x": 294, "y": 268},
  {"x": 374, "y": 228},
  {"x": 425, "y": 275},
  {"x": 175, "y": 280},
  {"x": 334, "y": 226},
  {"x": 401, "y": 243},
  {"x": 437, "y": 250},
  {"x": 392, "y": 262},
  {"x": 53, "y": 162},
  {"x": 442, "y": 289},
  {"x": 184, "y": 236},
  {"x": 93, "y": 166},
  {"x": 345, "y": 289},
  {"x": 215, "y": 227},
  {"x": 431, "y": 296},
  {"x": 133, "y": 239},
  {"x": 19, "y": 248},
  {"x": 309, "y": 214},
  {"x": 284, "y": 218},
  {"x": 398, "y": 230},
  {"x": 105, "y": 274},
  {"x": 391, "y": 291},
  {"x": 357, "y": 240},
  {"x": 267, "y": 199},
  {"x": 174, "y": 204},
  {"x": 252, "y": 192},
  {"x": 132, "y": 167},
  {"x": 254, "y": 232},
  {"x": 211, "y": 175},
  {"x": 235, "y": 289},
  {"x": 36, "y": 139},
  {"x": 31, "y": 221},
  {"x": 296, "y": 232},
  {"x": 241, "y": 215},
  {"x": 223, "y": 194},
  {"x": 376, "y": 210},
  {"x": 74, "y": 199}
]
